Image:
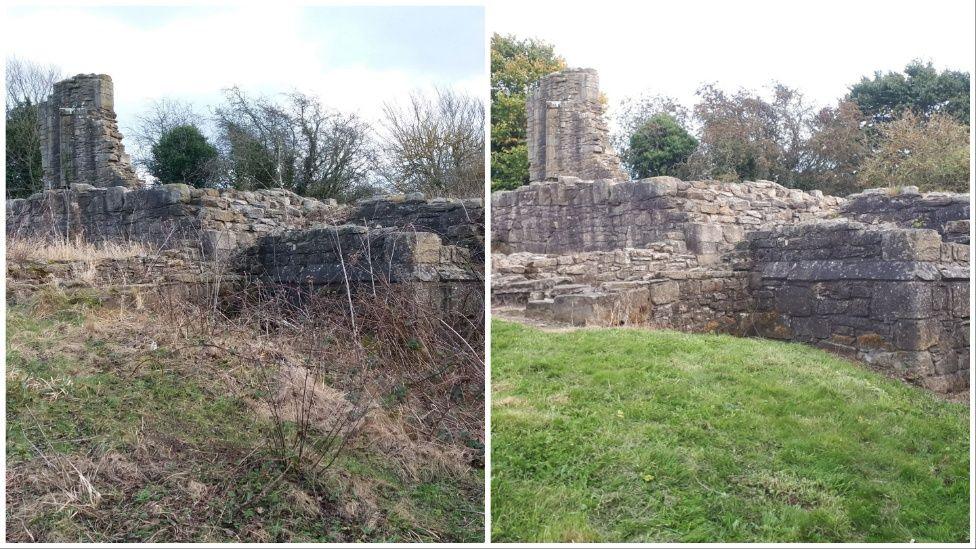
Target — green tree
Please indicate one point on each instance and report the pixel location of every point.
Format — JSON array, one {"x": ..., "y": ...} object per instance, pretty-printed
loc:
[
  {"x": 183, "y": 155},
  {"x": 658, "y": 147},
  {"x": 921, "y": 89},
  {"x": 931, "y": 154},
  {"x": 23, "y": 152},
  {"x": 27, "y": 85},
  {"x": 515, "y": 64}
]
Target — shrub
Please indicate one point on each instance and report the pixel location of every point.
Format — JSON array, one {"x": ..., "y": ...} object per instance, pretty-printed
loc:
[
  {"x": 658, "y": 147},
  {"x": 183, "y": 155},
  {"x": 931, "y": 154}
]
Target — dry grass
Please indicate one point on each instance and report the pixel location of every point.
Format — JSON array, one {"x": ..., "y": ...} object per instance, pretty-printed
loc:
[
  {"x": 341, "y": 432},
  {"x": 22, "y": 249}
]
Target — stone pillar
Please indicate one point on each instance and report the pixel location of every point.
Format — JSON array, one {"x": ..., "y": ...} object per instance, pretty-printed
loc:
[
  {"x": 567, "y": 134},
  {"x": 80, "y": 140}
]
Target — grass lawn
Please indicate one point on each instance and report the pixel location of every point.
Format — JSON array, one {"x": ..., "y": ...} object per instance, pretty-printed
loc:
[
  {"x": 631, "y": 435},
  {"x": 112, "y": 439}
]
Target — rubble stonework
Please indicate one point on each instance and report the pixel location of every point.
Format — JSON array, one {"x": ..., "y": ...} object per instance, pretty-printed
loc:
[
  {"x": 706, "y": 217},
  {"x": 567, "y": 134},
  {"x": 80, "y": 140},
  {"x": 881, "y": 276}
]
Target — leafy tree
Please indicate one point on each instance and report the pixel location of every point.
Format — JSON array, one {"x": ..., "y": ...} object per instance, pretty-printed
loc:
[
  {"x": 932, "y": 154},
  {"x": 921, "y": 89},
  {"x": 835, "y": 150},
  {"x": 658, "y": 147},
  {"x": 515, "y": 64},
  {"x": 183, "y": 155},
  {"x": 27, "y": 84},
  {"x": 748, "y": 137}
]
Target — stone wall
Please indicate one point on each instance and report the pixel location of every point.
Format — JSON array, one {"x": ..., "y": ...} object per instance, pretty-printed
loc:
[
  {"x": 456, "y": 221},
  {"x": 567, "y": 134},
  {"x": 704, "y": 217},
  {"x": 947, "y": 213},
  {"x": 330, "y": 255},
  {"x": 80, "y": 140},
  {"x": 895, "y": 298},
  {"x": 166, "y": 216}
]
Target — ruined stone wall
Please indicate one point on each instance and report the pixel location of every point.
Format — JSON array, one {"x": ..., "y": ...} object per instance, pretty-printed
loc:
[
  {"x": 167, "y": 216},
  {"x": 947, "y": 213},
  {"x": 567, "y": 134},
  {"x": 326, "y": 255},
  {"x": 895, "y": 298},
  {"x": 80, "y": 140},
  {"x": 704, "y": 217},
  {"x": 456, "y": 221}
]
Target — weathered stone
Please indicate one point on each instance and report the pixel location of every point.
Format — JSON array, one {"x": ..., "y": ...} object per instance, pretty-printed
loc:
[
  {"x": 80, "y": 142},
  {"x": 566, "y": 131}
]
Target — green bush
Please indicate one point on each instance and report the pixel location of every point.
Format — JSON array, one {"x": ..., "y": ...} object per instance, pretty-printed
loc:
[
  {"x": 183, "y": 155},
  {"x": 658, "y": 147}
]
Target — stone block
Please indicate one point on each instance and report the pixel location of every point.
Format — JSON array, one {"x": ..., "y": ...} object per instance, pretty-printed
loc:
[
  {"x": 911, "y": 245},
  {"x": 664, "y": 292},
  {"x": 917, "y": 335},
  {"x": 793, "y": 300}
]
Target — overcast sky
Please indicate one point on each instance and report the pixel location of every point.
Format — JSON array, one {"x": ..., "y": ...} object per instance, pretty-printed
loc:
[
  {"x": 671, "y": 47},
  {"x": 354, "y": 58}
]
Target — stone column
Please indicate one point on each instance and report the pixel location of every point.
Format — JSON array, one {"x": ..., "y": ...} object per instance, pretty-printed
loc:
[
  {"x": 567, "y": 134},
  {"x": 80, "y": 139}
]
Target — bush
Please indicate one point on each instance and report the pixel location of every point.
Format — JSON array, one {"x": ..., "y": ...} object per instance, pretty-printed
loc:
[
  {"x": 658, "y": 147},
  {"x": 183, "y": 155},
  {"x": 932, "y": 155},
  {"x": 510, "y": 168}
]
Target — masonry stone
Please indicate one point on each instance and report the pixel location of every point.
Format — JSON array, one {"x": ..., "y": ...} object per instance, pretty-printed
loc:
[
  {"x": 80, "y": 140},
  {"x": 567, "y": 135},
  {"x": 881, "y": 276}
]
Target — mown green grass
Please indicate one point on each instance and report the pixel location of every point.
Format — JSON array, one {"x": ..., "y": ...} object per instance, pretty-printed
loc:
[
  {"x": 74, "y": 398},
  {"x": 631, "y": 435}
]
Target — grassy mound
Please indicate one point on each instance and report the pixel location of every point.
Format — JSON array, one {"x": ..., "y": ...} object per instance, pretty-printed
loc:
[
  {"x": 117, "y": 431},
  {"x": 628, "y": 435}
]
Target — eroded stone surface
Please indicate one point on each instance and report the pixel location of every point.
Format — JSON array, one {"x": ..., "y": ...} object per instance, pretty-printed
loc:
[
  {"x": 567, "y": 134},
  {"x": 80, "y": 139}
]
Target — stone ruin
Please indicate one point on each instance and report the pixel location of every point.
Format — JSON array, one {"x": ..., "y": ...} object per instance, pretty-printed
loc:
[
  {"x": 567, "y": 132},
  {"x": 80, "y": 140},
  {"x": 272, "y": 235},
  {"x": 881, "y": 276}
]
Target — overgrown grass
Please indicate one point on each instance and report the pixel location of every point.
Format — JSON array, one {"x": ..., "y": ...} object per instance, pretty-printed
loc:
[
  {"x": 114, "y": 434},
  {"x": 631, "y": 435}
]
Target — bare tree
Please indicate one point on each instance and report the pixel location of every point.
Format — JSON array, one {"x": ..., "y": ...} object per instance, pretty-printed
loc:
[
  {"x": 335, "y": 150},
  {"x": 435, "y": 145},
  {"x": 297, "y": 144},
  {"x": 28, "y": 82},
  {"x": 161, "y": 116}
]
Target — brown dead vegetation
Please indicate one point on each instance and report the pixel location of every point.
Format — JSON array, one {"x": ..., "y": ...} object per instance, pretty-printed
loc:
[{"x": 402, "y": 385}]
